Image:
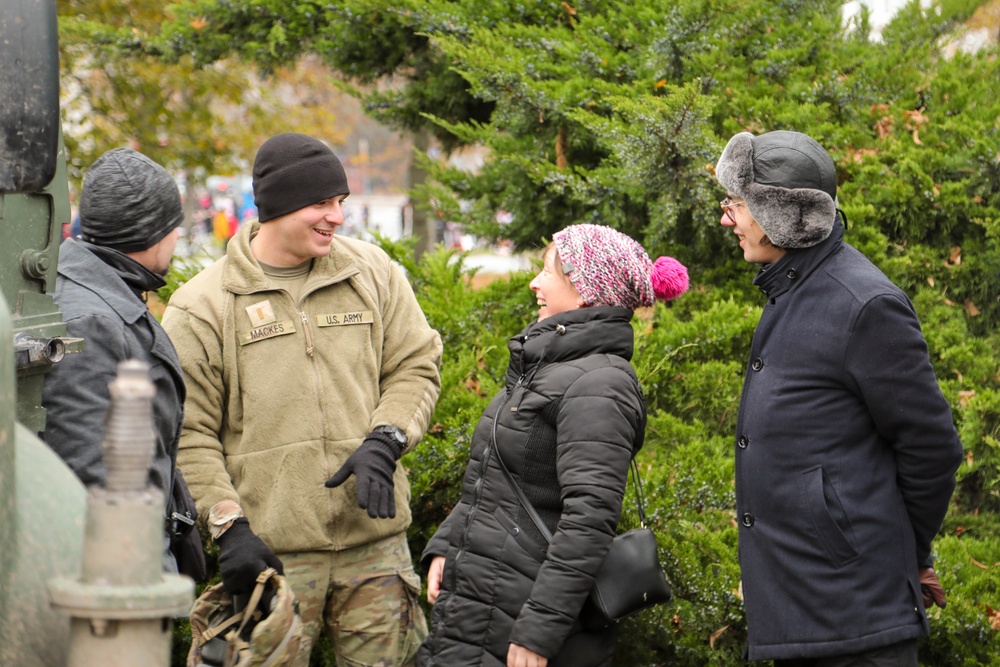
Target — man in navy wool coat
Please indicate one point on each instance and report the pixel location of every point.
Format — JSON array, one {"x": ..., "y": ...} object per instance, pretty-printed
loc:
[{"x": 846, "y": 450}]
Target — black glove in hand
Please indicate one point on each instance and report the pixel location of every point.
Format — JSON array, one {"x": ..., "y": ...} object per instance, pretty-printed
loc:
[
  {"x": 373, "y": 464},
  {"x": 243, "y": 556},
  {"x": 931, "y": 588}
]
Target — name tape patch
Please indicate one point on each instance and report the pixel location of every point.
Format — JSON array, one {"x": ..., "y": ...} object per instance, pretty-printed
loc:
[
  {"x": 267, "y": 331},
  {"x": 342, "y": 319}
]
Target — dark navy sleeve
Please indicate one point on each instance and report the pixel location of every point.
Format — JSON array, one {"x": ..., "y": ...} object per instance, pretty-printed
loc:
[{"x": 888, "y": 360}]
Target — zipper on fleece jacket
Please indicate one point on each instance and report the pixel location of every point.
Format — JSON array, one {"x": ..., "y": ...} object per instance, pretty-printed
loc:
[
  {"x": 308, "y": 332},
  {"x": 318, "y": 389},
  {"x": 318, "y": 385}
]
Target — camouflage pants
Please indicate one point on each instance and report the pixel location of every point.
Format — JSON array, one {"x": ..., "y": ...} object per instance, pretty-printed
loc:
[{"x": 366, "y": 598}]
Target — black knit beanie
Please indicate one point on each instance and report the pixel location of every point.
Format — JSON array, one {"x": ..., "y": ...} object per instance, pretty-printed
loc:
[
  {"x": 292, "y": 171},
  {"x": 128, "y": 202}
]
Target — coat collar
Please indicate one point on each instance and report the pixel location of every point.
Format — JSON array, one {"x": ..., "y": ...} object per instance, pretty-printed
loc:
[
  {"x": 571, "y": 335},
  {"x": 797, "y": 264},
  {"x": 79, "y": 264}
]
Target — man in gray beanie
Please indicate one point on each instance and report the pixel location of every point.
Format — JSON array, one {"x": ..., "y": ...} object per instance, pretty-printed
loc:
[
  {"x": 845, "y": 447},
  {"x": 311, "y": 370},
  {"x": 130, "y": 210}
]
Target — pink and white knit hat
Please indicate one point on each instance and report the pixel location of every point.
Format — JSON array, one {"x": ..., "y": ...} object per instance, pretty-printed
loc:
[{"x": 611, "y": 269}]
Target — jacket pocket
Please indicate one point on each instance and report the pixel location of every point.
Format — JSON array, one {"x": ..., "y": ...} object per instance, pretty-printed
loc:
[
  {"x": 522, "y": 539},
  {"x": 823, "y": 507}
]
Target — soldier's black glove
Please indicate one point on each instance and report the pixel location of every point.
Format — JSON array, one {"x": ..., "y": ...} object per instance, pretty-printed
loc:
[
  {"x": 373, "y": 464},
  {"x": 242, "y": 556}
]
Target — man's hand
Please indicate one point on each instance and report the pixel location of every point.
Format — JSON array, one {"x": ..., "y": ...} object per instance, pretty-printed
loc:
[
  {"x": 243, "y": 556},
  {"x": 931, "y": 589},
  {"x": 518, "y": 656},
  {"x": 435, "y": 573},
  {"x": 373, "y": 464}
]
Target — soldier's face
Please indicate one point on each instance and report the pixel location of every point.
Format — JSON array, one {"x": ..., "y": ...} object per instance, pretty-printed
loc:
[{"x": 303, "y": 234}]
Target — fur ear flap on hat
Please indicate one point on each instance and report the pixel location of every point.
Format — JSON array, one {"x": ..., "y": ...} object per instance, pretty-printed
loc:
[{"x": 785, "y": 186}]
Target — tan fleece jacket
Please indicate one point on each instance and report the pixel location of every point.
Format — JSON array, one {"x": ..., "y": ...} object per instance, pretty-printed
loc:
[{"x": 281, "y": 393}]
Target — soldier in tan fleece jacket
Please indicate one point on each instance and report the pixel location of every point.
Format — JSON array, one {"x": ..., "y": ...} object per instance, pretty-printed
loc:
[{"x": 310, "y": 369}]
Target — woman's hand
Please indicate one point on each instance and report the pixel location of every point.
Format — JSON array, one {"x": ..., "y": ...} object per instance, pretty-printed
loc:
[
  {"x": 434, "y": 575},
  {"x": 518, "y": 656}
]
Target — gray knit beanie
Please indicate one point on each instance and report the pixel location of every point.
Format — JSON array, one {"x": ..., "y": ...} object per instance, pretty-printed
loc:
[
  {"x": 292, "y": 171},
  {"x": 128, "y": 202},
  {"x": 788, "y": 181}
]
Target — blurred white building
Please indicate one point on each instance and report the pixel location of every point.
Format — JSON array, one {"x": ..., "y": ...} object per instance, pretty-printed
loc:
[
  {"x": 982, "y": 29},
  {"x": 880, "y": 12},
  {"x": 390, "y": 216}
]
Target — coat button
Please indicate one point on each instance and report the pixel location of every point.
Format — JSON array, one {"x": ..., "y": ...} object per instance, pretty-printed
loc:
[
  {"x": 792, "y": 274},
  {"x": 743, "y": 442},
  {"x": 757, "y": 364},
  {"x": 748, "y": 519}
]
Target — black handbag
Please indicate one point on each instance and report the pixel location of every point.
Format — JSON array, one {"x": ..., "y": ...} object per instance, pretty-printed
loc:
[{"x": 630, "y": 578}]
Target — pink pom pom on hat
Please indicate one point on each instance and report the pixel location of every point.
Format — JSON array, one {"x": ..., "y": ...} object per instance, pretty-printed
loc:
[
  {"x": 670, "y": 278},
  {"x": 612, "y": 269}
]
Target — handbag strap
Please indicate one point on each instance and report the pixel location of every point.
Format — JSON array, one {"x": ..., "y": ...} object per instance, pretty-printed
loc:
[
  {"x": 214, "y": 631},
  {"x": 640, "y": 500},
  {"x": 530, "y": 509}
]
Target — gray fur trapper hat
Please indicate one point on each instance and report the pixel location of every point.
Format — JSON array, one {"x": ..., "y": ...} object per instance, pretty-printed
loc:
[{"x": 788, "y": 182}]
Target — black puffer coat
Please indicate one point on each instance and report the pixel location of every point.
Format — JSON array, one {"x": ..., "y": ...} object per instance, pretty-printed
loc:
[{"x": 570, "y": 419}]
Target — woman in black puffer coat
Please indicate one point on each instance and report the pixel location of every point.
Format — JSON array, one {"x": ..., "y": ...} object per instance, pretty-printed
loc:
[{"x": 567, "y": 425}]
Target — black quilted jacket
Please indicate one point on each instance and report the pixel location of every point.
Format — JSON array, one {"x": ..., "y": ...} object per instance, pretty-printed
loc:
[{"x": 570, "y": 419}]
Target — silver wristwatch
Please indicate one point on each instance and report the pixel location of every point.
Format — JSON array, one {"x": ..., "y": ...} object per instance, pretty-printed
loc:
[{"x": 394, "y": 432}]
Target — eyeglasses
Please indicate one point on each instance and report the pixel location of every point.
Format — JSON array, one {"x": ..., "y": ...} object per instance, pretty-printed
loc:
[{"x": 728, "y": 205}]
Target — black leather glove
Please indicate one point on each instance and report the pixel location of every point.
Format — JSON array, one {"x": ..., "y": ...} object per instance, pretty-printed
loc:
[
  {"x": 373, "y": 464},
  {"x": 243, "y": 556}
]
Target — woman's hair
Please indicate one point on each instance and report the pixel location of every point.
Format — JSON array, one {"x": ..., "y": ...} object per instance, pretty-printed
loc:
[
  {"x": 609, "y": 268},
  {"x": 560, "y": 266}
]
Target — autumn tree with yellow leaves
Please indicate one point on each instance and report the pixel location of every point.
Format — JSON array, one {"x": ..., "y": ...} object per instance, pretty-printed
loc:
[{"x": 196, "y": 121}]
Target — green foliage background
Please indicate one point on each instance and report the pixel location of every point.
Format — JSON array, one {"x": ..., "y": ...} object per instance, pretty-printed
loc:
[{"x": 615, "y": 112}]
